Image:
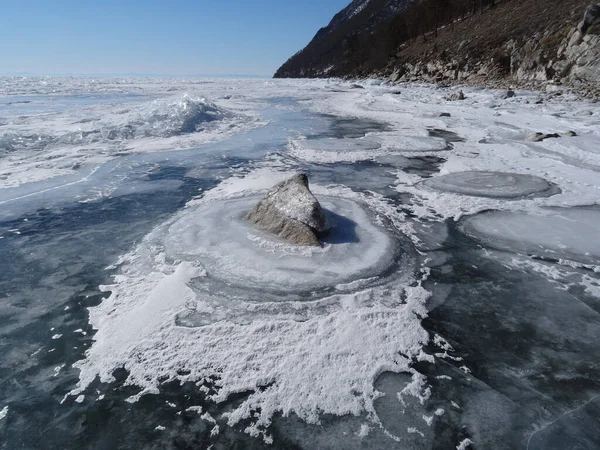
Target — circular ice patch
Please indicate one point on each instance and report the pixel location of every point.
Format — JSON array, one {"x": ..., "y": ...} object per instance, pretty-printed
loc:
[
  {"x": 239, "y": 256},
  {"x": 493, "y": 184},
  {"x": 560, "y": 233}
]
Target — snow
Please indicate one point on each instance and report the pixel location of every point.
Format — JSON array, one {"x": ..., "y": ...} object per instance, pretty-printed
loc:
[
  {"x": 3, "y": 412},
  {"x": 464, "y": 444},
  {"x": 364, "y": 431}
]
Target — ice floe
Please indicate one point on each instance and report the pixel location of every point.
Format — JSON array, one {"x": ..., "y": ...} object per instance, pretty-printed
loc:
[
  {"x": 345, "y": 149},
  {"x": 492, "y": 184},
  {"x": 557, "y": 233}
]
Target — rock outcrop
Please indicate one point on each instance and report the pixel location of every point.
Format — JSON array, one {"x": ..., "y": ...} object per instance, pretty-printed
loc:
[
  {"x": 539, "y": 137},
  {"x": 291, "y": 211},
  {"x": 563, "y": 54}
]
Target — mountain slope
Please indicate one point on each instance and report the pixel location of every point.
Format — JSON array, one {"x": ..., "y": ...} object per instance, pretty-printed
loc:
[
  {"x": 328, "y": 48},
  {"x": 466, "y": 41}
]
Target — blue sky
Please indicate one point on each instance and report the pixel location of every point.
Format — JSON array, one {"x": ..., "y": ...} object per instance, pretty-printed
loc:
[{"x": 179, "y": 37}]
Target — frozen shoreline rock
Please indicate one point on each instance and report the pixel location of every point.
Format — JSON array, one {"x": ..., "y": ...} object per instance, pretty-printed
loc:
[
  {"x": 456, "y": 96},
  {"x": 291, "y": 211},
  {"x": 539, "y": 137}
]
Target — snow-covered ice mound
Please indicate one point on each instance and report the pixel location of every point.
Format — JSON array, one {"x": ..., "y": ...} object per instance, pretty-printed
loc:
[
  {"x": 559, "y": 233},
  {"x": 493, "y": 184},
  {"x": 166, "y": 118},
  {"x": 206, "y": 297},
  {"x": 346, "y": 149}
]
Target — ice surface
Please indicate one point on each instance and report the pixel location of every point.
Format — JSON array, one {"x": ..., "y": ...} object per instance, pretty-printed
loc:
[
  {"x": 558, "y": 233},
  {"x": 492, "y": 184},
  {"x": 313, "y": 344}
]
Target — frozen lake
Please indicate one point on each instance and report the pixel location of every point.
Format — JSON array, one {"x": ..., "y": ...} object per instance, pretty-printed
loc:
[{"x": 456, "y": 303}]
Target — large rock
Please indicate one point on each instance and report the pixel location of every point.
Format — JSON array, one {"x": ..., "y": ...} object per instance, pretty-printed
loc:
[
  {"x": 592, "y": 14},
  {"x": 291, "y": 211}
]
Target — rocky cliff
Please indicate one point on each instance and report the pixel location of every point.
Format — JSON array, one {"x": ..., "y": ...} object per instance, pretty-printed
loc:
[{"x": 519, "y": 42}]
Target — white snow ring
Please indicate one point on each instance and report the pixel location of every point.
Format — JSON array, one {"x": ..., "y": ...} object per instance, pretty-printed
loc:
[{"x": 235, "y": 253}]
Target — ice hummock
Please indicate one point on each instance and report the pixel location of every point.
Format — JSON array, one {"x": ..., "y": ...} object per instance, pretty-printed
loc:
[
  {"x": 160, "y": 118},
  {"x": 41, "y": 146},
  {"x": 501, "y": 185}
]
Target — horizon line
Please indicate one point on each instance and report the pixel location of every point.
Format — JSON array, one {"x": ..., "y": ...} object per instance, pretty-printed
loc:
[{"x": 134, "y": 74}]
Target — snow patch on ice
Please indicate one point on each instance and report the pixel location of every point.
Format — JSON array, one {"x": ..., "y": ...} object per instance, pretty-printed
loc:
[
  {"x": 465, "y": 444},
  {"x": 364, "y": 431}
]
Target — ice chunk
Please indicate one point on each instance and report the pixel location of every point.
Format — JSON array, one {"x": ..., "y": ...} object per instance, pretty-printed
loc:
[{"x": 493, "y": 184}]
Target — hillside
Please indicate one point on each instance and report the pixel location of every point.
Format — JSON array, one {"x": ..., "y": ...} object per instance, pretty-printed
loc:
[
  {"x": 324, "y": 55},
  {"x": 467, "y": 41}
]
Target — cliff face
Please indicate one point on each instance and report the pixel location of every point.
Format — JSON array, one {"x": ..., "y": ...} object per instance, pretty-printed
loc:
[{"x": 503, "y": 42}]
